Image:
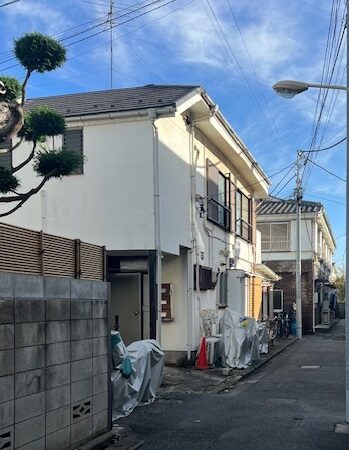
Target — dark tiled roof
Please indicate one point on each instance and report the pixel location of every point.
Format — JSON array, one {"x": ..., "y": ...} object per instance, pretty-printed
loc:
[
  {"x": 114, "y": 100},
  {"x": 278, "y": 206}
]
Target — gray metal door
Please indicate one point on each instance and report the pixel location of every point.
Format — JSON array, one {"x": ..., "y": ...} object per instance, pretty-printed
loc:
[{"x": 126, "y": 304}]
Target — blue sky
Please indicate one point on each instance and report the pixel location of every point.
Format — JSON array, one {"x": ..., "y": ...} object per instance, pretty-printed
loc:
[{"x": 236, "y": 49}]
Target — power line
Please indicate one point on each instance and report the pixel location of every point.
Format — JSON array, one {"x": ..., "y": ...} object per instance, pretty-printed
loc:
[
  {"x": 236, "y": 62},
  {"x": 103, "y": 31},
  {"x": 277, "y": 133},
  {"x": 283, "y": 179},
  {"x": 328, "y": 171},
  {"x": 332, "y": 53},
  {"x": 286, "y": 184},
  {"x": 326, "y": 148},
  {"x": 270, "y": 176},
  {"x": 325, "y": 198},
  {"x": 100, "y": 22},
  {"x": 9, "y": 3}
]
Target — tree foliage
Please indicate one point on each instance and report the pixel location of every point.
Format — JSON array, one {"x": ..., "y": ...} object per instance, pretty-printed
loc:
[
  {"x": 56, "y": 163},
  {"x": 8, "y": 181},
  {"x": 13, "y": 89},
  {"x": 36, "y": 53},
  {"x": 41, "y": 122}
]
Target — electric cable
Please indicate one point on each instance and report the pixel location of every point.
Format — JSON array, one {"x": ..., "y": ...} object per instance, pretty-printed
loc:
[
  {"x": 326, "y": 148},
  {"x": 238, "y": 65},
  {"x": 325, "y": 170},
  {"x": 277, "y": 133}
]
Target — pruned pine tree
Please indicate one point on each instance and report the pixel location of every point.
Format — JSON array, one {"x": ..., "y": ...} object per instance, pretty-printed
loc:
[{"x": 36, "y": 53}]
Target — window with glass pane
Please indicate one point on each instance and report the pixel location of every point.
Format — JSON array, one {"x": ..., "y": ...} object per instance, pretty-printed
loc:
[
  {"x": 243, "y": 216},
  {"x": 275, "y": 236},
  {"x": 278, "y": 300},
  {"x": 218, "y": 204}
]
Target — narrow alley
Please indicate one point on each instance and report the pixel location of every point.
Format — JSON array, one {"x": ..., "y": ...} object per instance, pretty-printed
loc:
[{"x": 293, "y": 402}]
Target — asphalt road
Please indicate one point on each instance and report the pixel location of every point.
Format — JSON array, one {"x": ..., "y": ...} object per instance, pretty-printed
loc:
[{"x": 281, "y": 406}]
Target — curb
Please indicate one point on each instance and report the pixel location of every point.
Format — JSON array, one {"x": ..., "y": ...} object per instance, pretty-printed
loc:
[
  {"x": 98, "y": 443},
  {"x": 229, "y": 383}
]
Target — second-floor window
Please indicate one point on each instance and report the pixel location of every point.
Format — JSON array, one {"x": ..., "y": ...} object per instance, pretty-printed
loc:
[
  {"x": 275, "y": 236},
  {"x": 243, "y": 216},
  {"x": 72, "y": 140},
  {"x": 218, "y": 193}
]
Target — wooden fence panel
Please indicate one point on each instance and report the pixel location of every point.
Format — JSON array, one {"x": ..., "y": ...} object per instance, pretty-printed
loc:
[
  {"x": 91, "y": 262},
  {"x": 37, "y": 253},
  {"x": 59, "y": 256},
  {"x": 20, "y": 250}
]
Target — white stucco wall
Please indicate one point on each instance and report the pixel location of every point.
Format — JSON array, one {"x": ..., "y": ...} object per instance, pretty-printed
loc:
[
  {"x": 309, "y": 239},
  {"x": 175, "y": 334},
  {"x": 112, "y": 203},
  {"x": 175, "y": 185}
]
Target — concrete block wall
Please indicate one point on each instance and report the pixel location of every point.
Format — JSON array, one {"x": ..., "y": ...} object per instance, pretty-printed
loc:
[{"x": 53, "y": 362}]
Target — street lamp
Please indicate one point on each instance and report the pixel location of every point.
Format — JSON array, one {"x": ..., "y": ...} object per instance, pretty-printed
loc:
[{"x": 289, "y": 89}]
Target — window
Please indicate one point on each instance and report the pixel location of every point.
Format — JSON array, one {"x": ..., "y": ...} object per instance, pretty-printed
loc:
[
  {"x": 72, "y": 140},
  {"x": 205, "y": 278},
  {"x": 243, "y": 216},
  {"x": 275, "y": 236},
  {"x": 6, "y": 158},
  {"x": 278, "y": 300},
  {"x": 218, "y": 193}
]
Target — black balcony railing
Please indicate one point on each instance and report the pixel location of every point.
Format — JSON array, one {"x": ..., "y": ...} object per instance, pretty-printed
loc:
[
  {"x": 218, "y": 213},
  {"x": 244, "y": 229}
]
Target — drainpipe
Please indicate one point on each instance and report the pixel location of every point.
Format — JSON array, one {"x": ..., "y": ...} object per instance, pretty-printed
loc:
[
  {"x": 156, "y": 185},
  {"x": 193, "y": 254}
]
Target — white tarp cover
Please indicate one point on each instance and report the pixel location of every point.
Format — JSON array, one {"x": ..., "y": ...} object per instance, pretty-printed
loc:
[
  {"x": 240, "y": 340},
  {"x": 137, "y": 375},
  {"x": 263, "y": 337}
]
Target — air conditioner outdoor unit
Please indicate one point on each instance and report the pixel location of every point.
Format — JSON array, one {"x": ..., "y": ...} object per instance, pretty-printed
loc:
[{"x": 212, "y": 349}]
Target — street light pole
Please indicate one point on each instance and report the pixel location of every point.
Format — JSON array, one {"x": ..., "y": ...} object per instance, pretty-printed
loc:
[
  {"x": 289, "y": 89},
  {"x": 347, "y": 245},
  {"x": 298, "y": 197}
]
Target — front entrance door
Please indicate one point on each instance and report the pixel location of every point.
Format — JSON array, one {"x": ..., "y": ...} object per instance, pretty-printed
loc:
[{"x": 126, "y": 304}]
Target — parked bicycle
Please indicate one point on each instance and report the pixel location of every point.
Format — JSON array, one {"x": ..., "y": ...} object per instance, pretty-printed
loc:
[
  {"x": 271, "y": 325},
  {"x": 283, "y": 325}
]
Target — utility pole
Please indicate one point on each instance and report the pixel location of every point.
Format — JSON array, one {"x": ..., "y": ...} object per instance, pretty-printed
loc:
[
  {"x": 111, "y": 28},
  {"x": 298, "y": 193}
]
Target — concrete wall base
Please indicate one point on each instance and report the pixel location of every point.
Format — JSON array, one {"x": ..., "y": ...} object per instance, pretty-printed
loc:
[{"x": 179, "y": 358}]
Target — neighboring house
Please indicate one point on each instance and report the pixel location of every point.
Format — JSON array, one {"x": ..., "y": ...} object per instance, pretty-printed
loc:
[
  {"x": 170, "y": 189},
  {"x": 276, "y": 220}
]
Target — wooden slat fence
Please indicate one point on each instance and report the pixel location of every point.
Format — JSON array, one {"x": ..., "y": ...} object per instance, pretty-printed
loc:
[{"x": 37, "y": 253}]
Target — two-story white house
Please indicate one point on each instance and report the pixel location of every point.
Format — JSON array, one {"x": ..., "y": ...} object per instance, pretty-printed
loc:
[
  {"x": 277, "y": 221},
  {"x": 170, "y": 190}
]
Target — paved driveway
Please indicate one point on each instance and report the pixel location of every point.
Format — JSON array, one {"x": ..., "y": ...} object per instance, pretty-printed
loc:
[{"x": 293, "y": 402}]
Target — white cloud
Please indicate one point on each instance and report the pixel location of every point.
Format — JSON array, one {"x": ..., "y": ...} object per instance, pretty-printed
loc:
[{"x": 34, "y": 15}]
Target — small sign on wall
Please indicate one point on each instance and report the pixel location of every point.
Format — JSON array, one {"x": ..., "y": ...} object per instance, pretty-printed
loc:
[{"x": 166, "y": 302}]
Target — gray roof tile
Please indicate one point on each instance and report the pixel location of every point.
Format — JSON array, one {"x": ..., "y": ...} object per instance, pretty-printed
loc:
[
  {"x": 279, "y": 206},
  {"x": 114, "y": 100}
]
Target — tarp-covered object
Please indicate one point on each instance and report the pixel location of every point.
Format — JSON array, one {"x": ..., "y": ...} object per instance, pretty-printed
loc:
[
  {"x": 240, "y": 340},
  {"x": 137, "y": 374},
  {"x": 263, "y": 337}
]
